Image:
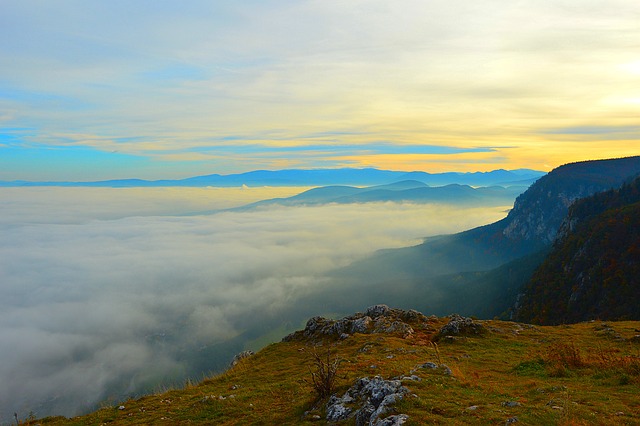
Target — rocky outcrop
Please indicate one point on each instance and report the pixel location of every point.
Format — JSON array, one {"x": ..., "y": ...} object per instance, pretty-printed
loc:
[
  {"x": 461, "y": 326},
  {"x": 368, "y": 401},
  {"x": 239, "y": 357},
  {"x": 376, "y": 319}
]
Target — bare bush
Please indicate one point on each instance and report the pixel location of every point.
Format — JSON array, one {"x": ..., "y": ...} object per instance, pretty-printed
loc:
[{"x": 324, "y": 373}]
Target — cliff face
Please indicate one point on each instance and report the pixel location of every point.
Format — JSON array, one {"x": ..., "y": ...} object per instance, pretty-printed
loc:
[
  {"x": 444, "y": 273},
  {"x": 533, "y": 223},
  {"x": 593, "y": 269},
  {"x": 538, "y": 213}
]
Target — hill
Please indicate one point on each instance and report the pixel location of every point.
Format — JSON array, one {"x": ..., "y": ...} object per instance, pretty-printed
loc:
[
  {"x": 397, "y": 367},
  {"x": 594, "y": 268},
  {"x": 402, "y": 191}
]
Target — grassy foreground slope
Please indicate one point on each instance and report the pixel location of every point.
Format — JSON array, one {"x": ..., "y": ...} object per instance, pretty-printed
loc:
[{"x": 587, "y": 373}]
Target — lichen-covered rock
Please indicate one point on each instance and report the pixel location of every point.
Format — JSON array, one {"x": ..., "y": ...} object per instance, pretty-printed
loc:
[
  {"x": 316, "y": 324},
  {"x": 412, "y": 316},
  {"x": 363, "y": 415},
  {"x": 459, "y": 325},
  {"x": 376, "y": 319},
  {"x": 429, "y": 365},
  {"x": 433, "y": 366},
  {"x": 361, "y": 325},
  {"x": 337, "y": 411},
  {"x": 397, "y": 327},
  {"x": 398, "y": 420},
  {"x": 367, "y": 400},
  {"x": 377, "y": 311}
]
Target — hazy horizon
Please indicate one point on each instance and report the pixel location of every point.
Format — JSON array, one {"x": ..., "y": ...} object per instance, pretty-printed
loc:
[{"x": 93, "y": 90}]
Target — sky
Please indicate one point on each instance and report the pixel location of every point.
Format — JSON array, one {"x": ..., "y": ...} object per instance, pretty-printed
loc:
[
  {"x": 93, "y": 90},
  {"x": 113, "y": 291}
]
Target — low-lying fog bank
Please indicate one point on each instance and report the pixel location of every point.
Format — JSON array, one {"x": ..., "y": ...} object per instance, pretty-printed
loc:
[{"x": 105, "y": 292}]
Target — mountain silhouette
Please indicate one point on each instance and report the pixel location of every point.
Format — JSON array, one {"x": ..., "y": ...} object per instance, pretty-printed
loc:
[
  {"x": 315, "y": 177},
  {"x": 403, "y": 191}
]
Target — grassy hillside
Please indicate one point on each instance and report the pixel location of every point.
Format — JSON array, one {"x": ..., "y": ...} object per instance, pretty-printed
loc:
[{"x": 587, "y": 373}]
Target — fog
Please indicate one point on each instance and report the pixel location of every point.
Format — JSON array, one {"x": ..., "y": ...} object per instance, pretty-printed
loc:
[{"x": 113, "y": 292}]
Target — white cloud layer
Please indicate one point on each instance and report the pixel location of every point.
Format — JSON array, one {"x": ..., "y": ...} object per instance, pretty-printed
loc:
[
  {"x": 92, "y": 309},
  {"x": 216, "y": 84}
]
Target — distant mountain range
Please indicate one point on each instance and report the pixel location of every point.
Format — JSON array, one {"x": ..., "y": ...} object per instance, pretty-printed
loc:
[
  {"x": 316, "y": 177},
  {"x": 405, "y": 191},
  {"x": 480, "y": 271}
]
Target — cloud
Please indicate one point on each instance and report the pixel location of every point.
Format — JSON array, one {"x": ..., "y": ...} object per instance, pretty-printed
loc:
[
  {"x": 96, "y": 308},
  {"x": 434, "y": 73},
  {"x": 610, "y": 133}
]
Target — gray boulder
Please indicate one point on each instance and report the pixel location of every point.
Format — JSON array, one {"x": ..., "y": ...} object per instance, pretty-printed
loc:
[
  {"x": 459, "y": 325},
  {"x": 368, "y": 400}
]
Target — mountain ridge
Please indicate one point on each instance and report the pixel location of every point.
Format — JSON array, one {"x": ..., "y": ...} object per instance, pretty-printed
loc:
[
  {"x": 402, "y": 191},
  {"x": 313, "y": 177}
]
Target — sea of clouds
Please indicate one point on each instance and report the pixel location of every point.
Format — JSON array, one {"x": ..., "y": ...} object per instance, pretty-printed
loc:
[{"x": 109, "y": 292}]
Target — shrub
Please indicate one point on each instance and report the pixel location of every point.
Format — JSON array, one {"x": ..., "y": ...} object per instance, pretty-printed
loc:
[
  {"x": 323, "y": 378},
  {"x": 563, "y": 355}
]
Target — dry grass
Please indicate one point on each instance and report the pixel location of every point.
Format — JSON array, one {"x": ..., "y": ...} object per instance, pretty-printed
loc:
[{"x": 511, "y": 363}]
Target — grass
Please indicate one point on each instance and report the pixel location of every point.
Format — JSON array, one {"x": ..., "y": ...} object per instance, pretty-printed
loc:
[{"x": 565, "y": 375}]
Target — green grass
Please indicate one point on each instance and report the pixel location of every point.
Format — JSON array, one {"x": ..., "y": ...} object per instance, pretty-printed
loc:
[{"x": 565, "y": 375}]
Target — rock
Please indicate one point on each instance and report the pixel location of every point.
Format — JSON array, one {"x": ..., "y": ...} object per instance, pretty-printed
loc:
[
  {"x": 511, "y": 404},
  {"x": 413, "y": 316},
  {"x": 433, "y": 366},
  {"x": 397, "y": 327},
  {"x": 376, "y": 319},
  {"x": 368, "y": 400},
  {"x": 337, "y": 412},
  {"x": 241, "y": 356},
  {"x": 511, "y": 420},
  {"x": 377, "y": 311},
  {"x": 315, "y": 324},
  {"x": 459, "y": 325},
  {"x": 429, "y": 365},
  {"x": 446, "y": 370},
  {"x": 473, "y": 408},
  {"x": 363, "y": 415},
  {"x": 397, "y": 420},
  {"x": 361, "y": 325}
]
